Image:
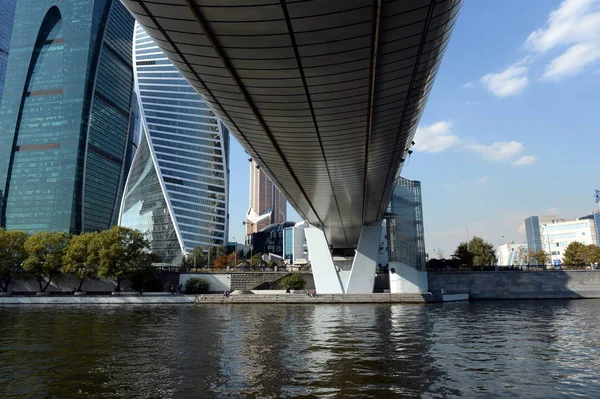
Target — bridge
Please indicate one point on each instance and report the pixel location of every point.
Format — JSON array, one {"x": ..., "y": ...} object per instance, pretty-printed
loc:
[{"x": 324, "y": 95}]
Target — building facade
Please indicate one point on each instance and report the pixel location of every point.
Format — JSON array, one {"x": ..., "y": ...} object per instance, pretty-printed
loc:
[
  {"x": 553, "y": 235},
  {"x": 65, "y": 115},
  {"x": 405, "y": 236},
  {"x": 7, "y": 15},
  {"x": 512, "y": 254},
  {"x": 295, "y": 250},
  {"x": 177, "y": 190},
  {"x": 267, "y": 204}
]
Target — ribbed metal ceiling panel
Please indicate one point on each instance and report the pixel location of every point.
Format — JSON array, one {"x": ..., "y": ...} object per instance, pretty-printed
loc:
[{"x": 325, "y": 95}]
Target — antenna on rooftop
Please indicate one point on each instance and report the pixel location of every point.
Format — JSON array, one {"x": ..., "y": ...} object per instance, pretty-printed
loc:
[{"x": 597, "y": 197}]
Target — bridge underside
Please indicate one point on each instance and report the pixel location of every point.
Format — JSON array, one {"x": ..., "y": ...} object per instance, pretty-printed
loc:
[{"x": 325, "y": 95}]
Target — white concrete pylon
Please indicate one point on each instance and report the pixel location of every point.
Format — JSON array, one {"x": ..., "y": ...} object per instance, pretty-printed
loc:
[
  {"x": 325, "y": 276},
  {"x": 364, "y": 266}
]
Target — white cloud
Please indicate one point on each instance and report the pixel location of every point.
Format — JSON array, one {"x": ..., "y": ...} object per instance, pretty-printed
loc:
[
  {"x": 525, "y": 160},
  {"x": 434, "y": 138},
  {"x": 574, "y": 21},
  {"x": 571, "y": 36},
  {"x": 499, "y": 151},
  {"x": 482, "y": 180},
  {"x": 572, "y": 61},
  {"x": 468, "y": 85},
  {"x": 574, "y": 24},
  {"x": 509, "y": 82}
]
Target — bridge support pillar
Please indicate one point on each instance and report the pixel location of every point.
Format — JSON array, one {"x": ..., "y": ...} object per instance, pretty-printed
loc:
[
  {"x": 326, "y": 278},
  {"x": 364, "y": 266},
  {"x": 405, "y": 279}
]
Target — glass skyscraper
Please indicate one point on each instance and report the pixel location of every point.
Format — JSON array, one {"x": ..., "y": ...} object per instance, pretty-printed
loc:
[
  {"x": 65, "y": 115},
  {"x": 7, "y": 14},
  {"x": 177, "y": 189}
]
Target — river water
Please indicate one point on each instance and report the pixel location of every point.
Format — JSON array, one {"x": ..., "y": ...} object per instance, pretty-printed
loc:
[{"x": 482, "y": 349}]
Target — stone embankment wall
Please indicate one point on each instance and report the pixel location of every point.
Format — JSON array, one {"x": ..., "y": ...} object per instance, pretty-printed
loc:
[
  {"x": 518, "y": 284},
  {"x": 67, "y": 283},
  {"x": 249, "y": 281}
]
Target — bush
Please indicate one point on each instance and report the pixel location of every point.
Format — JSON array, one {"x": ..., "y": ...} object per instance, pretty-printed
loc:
[
  {"x": 196, "y": 285},
  {"x": 295, "y": 281}
]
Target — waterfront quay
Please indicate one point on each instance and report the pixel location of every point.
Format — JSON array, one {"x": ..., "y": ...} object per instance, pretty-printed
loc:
[{"x": 272, "y": 298}]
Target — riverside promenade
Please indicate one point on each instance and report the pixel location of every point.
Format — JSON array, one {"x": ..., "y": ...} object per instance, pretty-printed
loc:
[{"x": 150, "y": 299}]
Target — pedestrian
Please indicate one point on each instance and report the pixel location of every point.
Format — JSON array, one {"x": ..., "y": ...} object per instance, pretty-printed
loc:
[
  {"x": 172, "y": 289},
  {"x": 287, "y": 289},
  {"x": 313, "y": 293},
  {"x": 226, "y": 294}
]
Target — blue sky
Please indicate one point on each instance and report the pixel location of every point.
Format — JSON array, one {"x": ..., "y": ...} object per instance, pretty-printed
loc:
[{"x": 511, "y": 128}]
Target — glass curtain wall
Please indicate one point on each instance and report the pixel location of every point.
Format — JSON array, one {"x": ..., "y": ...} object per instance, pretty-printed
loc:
[{"x": 187, "y": 148}]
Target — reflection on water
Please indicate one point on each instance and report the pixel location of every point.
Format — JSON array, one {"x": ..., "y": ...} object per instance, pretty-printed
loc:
[{"x": 482, "y": 349}]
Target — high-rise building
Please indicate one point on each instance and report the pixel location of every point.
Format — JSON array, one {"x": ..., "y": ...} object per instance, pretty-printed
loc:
[
  {"x": 65, "y": 115},
  {"x": 177, "y": 190},
  {"x": 267, "y": 204},
  {"x": 7, "y": 14}
]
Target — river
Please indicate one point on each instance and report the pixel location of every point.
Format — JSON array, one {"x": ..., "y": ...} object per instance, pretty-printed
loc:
[{"x": 536, "y": 349}]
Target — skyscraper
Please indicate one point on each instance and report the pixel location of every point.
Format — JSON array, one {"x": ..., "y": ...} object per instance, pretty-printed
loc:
[
  {"x": 267, "y": 204},
  {"x": 177, "y": 190},
  {"x": 65, "y": 115},
  {"x": 7, "y": 14}
]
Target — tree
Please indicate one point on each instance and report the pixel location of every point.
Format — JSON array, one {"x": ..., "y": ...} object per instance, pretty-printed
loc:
[
  {"x": 439, "y": 252},
  {"x": 196, "y": 285},
  {"x": 197, "y": 257},
  {"x": 79, "y": 258},
  {"x": 592, "y": 254},
  {"x": 256, "y": 261},
  {"x": 271, "y": 263},
  {"x": 12, "y": 255},
  {"x": 221, "y": 262},
  {"x": 232, "y": 259},
  {"x": 45, "y": 251},
  {"x": 120, "y": 251},
  {"x": 541, "y": 257},
  {"x": 462, "y": 254},
  {"x": 522, "y": 256},
  {"x": 221, "y": 251},
  {"x": 295, "y": 281},
  {"x": 483, "y": 252},
  {"x": 575, "y": 254}
]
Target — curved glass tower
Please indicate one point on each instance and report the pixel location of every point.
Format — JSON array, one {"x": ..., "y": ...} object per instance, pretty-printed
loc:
[
  {"x": 177, "y": 189},
  {"x": 65, "y": 114}
]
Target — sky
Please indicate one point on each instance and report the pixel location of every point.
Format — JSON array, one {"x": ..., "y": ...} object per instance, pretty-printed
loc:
[{"x": 511, "y": 128}]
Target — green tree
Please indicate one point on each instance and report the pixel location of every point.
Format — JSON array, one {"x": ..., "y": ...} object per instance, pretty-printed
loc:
[
  {"x": 12, "y": 255},
  {"x": 541, "y": 257},
  {"x": 80, "y": 258},
  {"x": 482, "y": 251},
  {"x": 197, "y": 257},
  {"x": 462, "y": 255},
  {"x": 221, "y": 251},
  {"x": 256, "y": 261},
  {"x": 45, "y": 251},
  {"x": 592, "y": 254},
  {"x": 575, "y": 254},
  {"x": 271, "y": 263},
  {"x": 295, "y": 281},
  {"x": 121, "y": 251}
]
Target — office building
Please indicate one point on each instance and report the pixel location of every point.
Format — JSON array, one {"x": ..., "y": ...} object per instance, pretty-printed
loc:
[
  {"x": 177, "y": 190},
  {"x": 7, "y": 14},
  {"x": 267, "y": 204},
  {"x": 65, "y": 115},
  {"x": 553, "y": 235}
]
